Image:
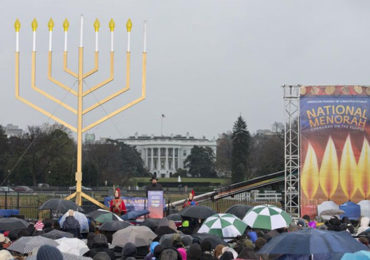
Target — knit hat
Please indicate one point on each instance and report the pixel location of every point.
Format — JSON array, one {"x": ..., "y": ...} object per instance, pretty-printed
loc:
[
  {"x": 170, "y": 254},
  {"x": 194, "y": 252},
  {"x": 47, "y": 252},
  {"x": 101, "y": 256}
]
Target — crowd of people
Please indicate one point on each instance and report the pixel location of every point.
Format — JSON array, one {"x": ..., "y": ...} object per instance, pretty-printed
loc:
[{"x": 175, "y": 246}]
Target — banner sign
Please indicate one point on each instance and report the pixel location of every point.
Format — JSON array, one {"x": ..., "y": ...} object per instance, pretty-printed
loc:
[
  {"x": 334, "y": 141},
  {"x": 131, "y": 203},
  {"x": 155, "y": 203}
]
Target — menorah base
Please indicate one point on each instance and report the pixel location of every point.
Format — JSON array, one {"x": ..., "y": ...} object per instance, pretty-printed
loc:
[{"x": 80, "y": 195}]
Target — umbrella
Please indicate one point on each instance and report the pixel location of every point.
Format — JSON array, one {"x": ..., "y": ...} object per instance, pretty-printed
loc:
[
  {"x": 201, "y": 212},
  {"x": 25, "y": 245},
  {"x": 56, "y": 234},
  {"x": 9, "y": 224},
  {"x": 72, "y": 246},
  {"x": 239, "y": 210},
  {"x": 166, "y": 226},
  {"x": 60, "y": 205},
  {"x": 312, "y": 242},
  {"x": 223, "y": 225},
  {"x": 267, "y": 217},
  {"x": 80, "y": 217},
  {"x": 114, "y": 225},
  {"x": 174, "y": 217},
  {"x": 213, "y": 239},
  {"x": 138, "y": 235},
  {"x": 102, "y": 216},
  {"x": 151, "y": 223},
  {"x": 134, "y": 214},
  {"x": 360, "y": 255}
]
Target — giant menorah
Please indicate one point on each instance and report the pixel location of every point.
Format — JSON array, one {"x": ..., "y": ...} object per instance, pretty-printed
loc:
[{"x": 80, "y": 111}]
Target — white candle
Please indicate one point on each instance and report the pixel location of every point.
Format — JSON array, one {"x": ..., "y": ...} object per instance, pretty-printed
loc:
[
  {"x": 96, "y": 41},
  {"x": 144, "y": 49},
  {"x": 34, "y": 41},
  {"x": 17, "y": 41},
  {"x": 50, "y": 39},
  {"x": 111, "y": 41},
  {"x": 65, "y": 40},
  {"x": 81, "y": 31},
  {"x": 128, "y": 41}
]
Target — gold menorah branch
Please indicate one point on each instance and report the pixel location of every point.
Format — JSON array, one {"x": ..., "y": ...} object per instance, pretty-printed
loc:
[{"x": 80, "y": 111}]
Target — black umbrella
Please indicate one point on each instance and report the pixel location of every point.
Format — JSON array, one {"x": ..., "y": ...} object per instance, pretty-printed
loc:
[
  {"x": 60, "y": 205},
  {"x": 174, "y": 217},
  {"x": 213, "y": 239},
  {"x": 201, "y": 212},
  {"x": 239, "y": 210},
  {"x": 114, "y": 225},
  {"x": 56, "y": 234},
  {"x": 312, "y": 242},
  {"x": 151, "y": 223},
  {"x": 166, "y": 226},
  {"x": 9, "y": 224}
]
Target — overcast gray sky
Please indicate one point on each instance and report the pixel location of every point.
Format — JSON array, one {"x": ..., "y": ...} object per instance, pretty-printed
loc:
[{"x": 208, "y": 60}]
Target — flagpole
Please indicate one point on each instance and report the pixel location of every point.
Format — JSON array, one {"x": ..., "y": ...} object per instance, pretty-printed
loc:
[{"x": 162, "y": 125}]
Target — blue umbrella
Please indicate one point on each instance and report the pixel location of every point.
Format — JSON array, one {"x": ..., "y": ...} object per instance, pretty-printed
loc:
[
  {"x": 360, "y": 255},
  {"x": 312, "y": 242},
  {"x": 80, "y": 217},
  {"x": 134, "y": 214}
]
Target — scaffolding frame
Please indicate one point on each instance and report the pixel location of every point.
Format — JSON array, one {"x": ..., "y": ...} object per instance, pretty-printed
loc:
[{"x": 292, "y": 149}]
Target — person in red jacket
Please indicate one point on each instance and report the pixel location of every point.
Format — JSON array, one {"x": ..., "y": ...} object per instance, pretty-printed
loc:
[
  {"x": 190, "y": 200},
  {"x": 117, "y": 205}
]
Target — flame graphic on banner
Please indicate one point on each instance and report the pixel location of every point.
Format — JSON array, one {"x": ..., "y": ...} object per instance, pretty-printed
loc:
[
  {"x": 364, "y": 170},
  {"x": 310, "y": 174},
  {"x": 348, "y": 170},
  {"x": 329, "y": 172}
]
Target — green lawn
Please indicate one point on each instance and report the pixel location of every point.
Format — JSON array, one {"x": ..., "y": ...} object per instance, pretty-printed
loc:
[{"x": 185, "y": 180}]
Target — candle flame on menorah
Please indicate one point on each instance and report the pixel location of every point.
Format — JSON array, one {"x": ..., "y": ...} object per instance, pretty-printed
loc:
[{"x": 80, "y": 111}]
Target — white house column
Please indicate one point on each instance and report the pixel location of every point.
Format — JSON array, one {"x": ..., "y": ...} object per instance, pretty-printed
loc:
[
  {"x": 173, "y": 159},
  {"x": 152, "y": 159},
  {"x": 159, "y": 159},
  {"x": 166, "y": 162}
]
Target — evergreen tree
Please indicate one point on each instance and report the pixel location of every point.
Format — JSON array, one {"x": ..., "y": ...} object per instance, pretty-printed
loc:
[
  {"x": 201, "y": 162},
  {"x": 240, "y": 151}
]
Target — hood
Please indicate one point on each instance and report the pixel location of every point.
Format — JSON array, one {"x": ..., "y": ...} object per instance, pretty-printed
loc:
[
  {"x": 129, "y": 250},
  {"x": 365, "y": 222}
]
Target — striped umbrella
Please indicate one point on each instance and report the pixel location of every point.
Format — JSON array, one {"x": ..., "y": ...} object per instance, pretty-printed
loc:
[
  {"x": 223, "y": 225},
  {"x": 267, "y": 217}
]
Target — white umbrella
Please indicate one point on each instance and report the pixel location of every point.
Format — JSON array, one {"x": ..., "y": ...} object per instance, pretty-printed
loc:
[
  {"x": 325, "y": 206},
  {"x": 80, "y": 217},
  {"x": 24, "y": 245},
  {"x": 73, "y": 246}
]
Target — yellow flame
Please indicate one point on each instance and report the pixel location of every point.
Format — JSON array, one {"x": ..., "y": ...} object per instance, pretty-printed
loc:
[
  {"x": 129, "y": 25},
  {"x": 65, "y": 25},
  {"x": 34, "y": 24},
  {"x": 364, "y": 170},
  {"x": 348, "y": 170},
  {"x": 112, "y": 25},
  {"x": 17, "y": 25},
  {"x": 96, "y": 25},
  {"x": 310, "y": 174},
  {"x": 329, "y": 170},
  {"x": 51, "y": 24}
]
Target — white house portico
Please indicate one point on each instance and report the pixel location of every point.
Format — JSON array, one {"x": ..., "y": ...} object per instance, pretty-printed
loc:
[{"x": 163, "y": 155}]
